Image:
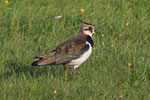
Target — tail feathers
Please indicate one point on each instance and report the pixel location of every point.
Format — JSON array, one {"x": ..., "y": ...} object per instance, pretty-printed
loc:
[{"x": 41, "y": 61}]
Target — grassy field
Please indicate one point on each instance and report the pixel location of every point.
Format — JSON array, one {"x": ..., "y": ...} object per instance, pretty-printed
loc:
[{"x": 119, "y": 67}]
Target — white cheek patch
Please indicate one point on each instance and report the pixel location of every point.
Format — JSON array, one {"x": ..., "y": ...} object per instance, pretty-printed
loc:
[{"x": 87, "y": 33}]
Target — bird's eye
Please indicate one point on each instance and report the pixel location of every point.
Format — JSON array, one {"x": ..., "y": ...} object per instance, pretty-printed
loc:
[{"x": 90, "y": 28}]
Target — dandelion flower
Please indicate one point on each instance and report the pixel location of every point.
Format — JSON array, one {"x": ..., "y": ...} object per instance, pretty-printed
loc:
[
  {"x": 112, "y": 45},
  {"x": 55, "y": 92},
  {"x": 129, "y": 64},
  {"x": 102, "y": 35},
  {"x": 82, "y": 10},
  {"x": 127, "y": 24},
  {"x": 6, "y": 1}
]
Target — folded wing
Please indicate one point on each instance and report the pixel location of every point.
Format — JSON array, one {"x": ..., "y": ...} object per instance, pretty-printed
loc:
[{"x": 63, "y": 54}]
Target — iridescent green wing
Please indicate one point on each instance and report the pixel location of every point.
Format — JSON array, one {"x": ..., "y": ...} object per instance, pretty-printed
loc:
[{"x": 69, "y": 50}]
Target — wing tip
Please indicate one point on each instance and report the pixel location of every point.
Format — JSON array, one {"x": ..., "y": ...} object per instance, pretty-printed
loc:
[
  {"x": 34, "y": 64},
  {"x": 37, "y": 58}
]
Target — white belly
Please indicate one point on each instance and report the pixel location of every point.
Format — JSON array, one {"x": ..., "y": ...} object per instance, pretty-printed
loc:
[{"x": 82, "y": 58}]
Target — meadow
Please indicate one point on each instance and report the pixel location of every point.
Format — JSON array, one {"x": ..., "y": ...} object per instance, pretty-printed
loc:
[{"x": 118, "y": 68}]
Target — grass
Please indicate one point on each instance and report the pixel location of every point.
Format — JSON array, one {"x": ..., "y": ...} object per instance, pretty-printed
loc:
[{"x": 27, "y": 29}]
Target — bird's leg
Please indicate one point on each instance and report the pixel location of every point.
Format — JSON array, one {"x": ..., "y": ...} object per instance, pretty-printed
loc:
[{"x": 73, "y": 71}]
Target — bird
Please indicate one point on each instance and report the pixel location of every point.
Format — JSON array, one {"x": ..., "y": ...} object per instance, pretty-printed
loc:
[{"x": 71, "y": 53}]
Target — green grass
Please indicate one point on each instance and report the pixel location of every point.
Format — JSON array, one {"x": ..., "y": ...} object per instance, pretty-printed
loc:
[{"x": 27, "y": 29}]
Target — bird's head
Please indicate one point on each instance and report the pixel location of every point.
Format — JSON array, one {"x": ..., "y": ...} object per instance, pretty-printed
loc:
[{"x": 87, "y": 29}]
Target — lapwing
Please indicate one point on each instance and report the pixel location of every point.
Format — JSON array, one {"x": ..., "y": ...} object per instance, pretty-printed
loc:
[{"x": 71, "y": 53}]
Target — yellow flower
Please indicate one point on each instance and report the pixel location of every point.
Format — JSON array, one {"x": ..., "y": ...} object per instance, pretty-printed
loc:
[
  {"x": 112, "y": 45},
  {"x": 129, "y": 64},
  {"x": 6, "y": 1},
  {"x": 127, "y": 24},
  {"x": 55, "y": 92},
  {"x": 82, "y": 10},
  {"x": 102, "y": 35}
]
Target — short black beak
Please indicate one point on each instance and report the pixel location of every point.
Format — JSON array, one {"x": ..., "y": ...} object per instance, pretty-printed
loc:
[{"x": 97, "y": 32}]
